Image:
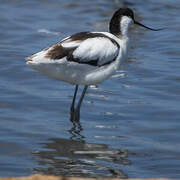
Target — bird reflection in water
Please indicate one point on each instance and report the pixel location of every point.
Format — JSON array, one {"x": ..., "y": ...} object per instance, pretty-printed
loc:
[
  {"x": 67, "y": 157},
  {"x": 76, "y": 129}
]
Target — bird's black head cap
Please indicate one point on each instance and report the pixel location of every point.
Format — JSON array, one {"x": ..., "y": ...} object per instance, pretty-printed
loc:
[
  {"x": 124, "y": 12},
  {"x": 114, "y": 26}
]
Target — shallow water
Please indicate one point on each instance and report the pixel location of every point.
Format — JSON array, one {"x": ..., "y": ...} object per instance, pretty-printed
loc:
[{"x": 130, "y": 124}]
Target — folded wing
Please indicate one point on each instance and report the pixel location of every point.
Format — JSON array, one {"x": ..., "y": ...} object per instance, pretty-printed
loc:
[{"x": 95, "y": 49}]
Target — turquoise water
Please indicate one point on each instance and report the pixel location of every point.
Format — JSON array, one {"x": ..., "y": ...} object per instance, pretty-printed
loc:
[{"x": 129, "y": 124}]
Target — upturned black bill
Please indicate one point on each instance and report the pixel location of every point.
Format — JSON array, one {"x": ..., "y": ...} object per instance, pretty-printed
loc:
[{"x": 135, "y": 22}]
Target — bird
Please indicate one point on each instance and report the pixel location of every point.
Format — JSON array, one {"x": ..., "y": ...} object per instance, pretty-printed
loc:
[{"x": 87, "y": 58}]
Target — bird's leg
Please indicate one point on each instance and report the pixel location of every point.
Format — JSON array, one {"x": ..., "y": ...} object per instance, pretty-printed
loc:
[
  {"x": 74, "y": 99},
  {"x": 77, "y": 111}
]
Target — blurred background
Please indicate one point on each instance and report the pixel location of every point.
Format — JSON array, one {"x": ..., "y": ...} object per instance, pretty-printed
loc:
[{"x": 130, "y": 124}]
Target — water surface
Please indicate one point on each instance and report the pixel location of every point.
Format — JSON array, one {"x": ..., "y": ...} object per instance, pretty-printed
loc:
[{"x": 129, "y": 124}]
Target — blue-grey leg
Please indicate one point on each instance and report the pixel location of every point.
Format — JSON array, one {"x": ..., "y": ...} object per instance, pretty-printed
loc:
[
  {"x": 77, "y": 111},
  {"x": 74, "y": 99}
]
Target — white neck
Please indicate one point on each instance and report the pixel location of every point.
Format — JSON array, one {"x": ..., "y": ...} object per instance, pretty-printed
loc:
[{"x": 124, "y": 26}]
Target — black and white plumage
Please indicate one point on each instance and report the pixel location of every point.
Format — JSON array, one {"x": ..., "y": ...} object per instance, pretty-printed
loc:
[
  {"x": 95, "y": 49},
  {"x": 87, "y": 58}
]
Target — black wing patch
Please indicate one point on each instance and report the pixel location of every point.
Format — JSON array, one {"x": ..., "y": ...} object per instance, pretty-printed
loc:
[
  {"x": 91, "y": 62},
  {"x": 58, "y": 52},
  {"x": 85, "y": 35}
]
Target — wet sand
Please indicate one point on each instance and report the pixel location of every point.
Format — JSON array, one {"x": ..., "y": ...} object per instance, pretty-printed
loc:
[{"x": 44, "y": 177}]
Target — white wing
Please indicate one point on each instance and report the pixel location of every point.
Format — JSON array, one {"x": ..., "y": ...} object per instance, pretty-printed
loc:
[{"x": 95, "y": 51}]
